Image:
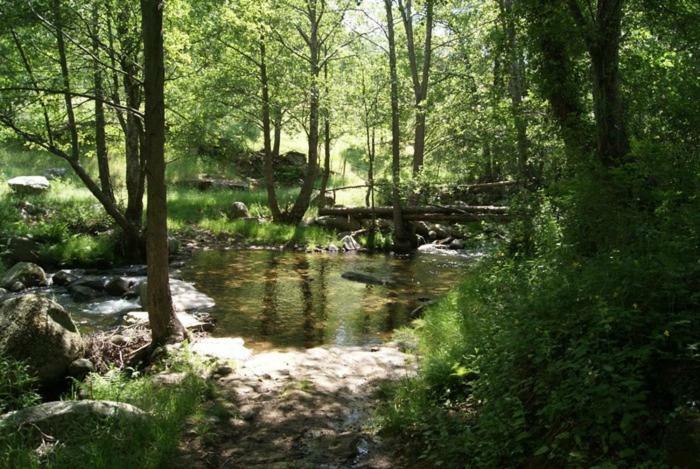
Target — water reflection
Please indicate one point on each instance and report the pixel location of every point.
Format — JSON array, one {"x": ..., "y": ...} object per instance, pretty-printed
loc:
[{"x": 282, "y": 299}]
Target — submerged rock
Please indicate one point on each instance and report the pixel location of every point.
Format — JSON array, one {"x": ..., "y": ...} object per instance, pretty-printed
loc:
[
  {"x": 29, "y": 184},
  {"x": 23, "y": 275},
  {"x": 364, "y": 278},
  {"x": 40, "y": 332}
]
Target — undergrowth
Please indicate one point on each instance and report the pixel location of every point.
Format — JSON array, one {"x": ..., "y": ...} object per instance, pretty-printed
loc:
[{"x": 113, "y": 443}]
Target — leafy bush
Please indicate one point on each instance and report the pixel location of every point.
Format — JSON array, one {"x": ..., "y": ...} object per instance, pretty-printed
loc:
[{"x": 576, "y": 355}]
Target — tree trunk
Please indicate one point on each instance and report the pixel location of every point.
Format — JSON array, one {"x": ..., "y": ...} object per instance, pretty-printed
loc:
[
  {"x": 133, "y": 137},
  {"x": 401, "y": 241},
  {"x": 612, "y": 140},
  {"x": 100, "y": 138},
  {"x": 165, "y": 327},
  {"x": 420, "y": 78},
  {"x": 516, "y": 89},
  {"x": 268, "y": 167},
  {"x": 296, "y": 214}
]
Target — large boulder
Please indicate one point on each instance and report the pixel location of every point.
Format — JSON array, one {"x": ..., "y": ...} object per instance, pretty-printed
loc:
[
  {"x": 40, "y": 332},
  {"x": 29, "y": 184},
  {"x": 59, "y": 418},
  {"x": 238, "y": 210},
  {"x": 25, "y": 274}
]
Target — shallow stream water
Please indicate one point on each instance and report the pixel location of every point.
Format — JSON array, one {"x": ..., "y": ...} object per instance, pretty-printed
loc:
[{"x": 279, "y": 299}]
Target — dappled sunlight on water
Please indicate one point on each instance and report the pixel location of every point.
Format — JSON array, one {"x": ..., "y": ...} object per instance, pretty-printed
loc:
[{"x": 283, "y": 299}]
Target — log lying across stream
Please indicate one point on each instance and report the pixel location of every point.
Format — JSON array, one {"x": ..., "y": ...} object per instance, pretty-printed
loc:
[{"x": 455, "y": 213}]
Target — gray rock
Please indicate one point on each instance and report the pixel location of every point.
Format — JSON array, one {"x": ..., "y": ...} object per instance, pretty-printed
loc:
[
  {"x": 83, "y": 293},
  {"x": 422, "y": 228},
  {"x": 363, "y": 278},
  {"x": 332, "y": 248},
  {"x": 117, "y": 286},
  {"x": 238, "y": 210},
  {"x": 63, "y": 278},
  {"x": 80, "y": 368},
  {"x": 57, "y": 417},
  {"x": 17, "y": 287},
  {"x": 349, "y": 243},
  {"x": 29, "y": 184},
  {"x": 40, "y": 332},
  {"x": 26, "y": 273},
  {"x": 3, "y": 293}
]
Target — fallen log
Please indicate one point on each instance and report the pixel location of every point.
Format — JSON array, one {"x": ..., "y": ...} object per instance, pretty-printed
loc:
[{"x": 365, "y": 212}]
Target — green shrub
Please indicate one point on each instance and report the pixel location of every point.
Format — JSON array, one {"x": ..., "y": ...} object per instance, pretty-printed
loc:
[{"x": 17, "y": 385}]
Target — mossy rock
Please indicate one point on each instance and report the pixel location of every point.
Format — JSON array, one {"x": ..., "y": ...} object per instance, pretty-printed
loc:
[
  {"x": 41, "y": 333},
  {"x": 26, "y": 273}
]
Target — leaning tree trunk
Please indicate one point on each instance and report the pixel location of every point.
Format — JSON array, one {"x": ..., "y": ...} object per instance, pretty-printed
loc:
[
  {"x": 100, "y": 137},
  {"x": 296, "y": 214},
  {"x": 165, "y": 326}
]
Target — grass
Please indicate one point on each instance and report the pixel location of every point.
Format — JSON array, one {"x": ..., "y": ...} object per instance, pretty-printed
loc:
[
  {"x": 112, "y": 443},
  {"x": 73, "y": 230}
]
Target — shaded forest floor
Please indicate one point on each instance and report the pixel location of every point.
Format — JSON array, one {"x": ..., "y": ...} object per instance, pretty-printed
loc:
[{"x": 299, "y": 409}]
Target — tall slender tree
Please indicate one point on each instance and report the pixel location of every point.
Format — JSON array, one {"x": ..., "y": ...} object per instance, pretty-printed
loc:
[{"x": 165, "y": 326}]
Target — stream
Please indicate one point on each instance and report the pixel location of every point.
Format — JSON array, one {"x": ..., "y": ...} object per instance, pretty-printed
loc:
[{"x": 281, "y": 299}]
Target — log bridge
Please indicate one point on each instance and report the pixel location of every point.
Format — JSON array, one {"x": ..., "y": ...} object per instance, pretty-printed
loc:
[{"x": 429, "y": 213}]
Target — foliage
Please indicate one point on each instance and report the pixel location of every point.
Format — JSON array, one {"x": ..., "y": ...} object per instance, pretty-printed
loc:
[
  {"x": 562, "y": 359},
  {"x": 17, "y": 385}
]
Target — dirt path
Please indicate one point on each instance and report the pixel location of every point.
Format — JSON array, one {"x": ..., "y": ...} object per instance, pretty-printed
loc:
[{"x": 300, "y": 409}]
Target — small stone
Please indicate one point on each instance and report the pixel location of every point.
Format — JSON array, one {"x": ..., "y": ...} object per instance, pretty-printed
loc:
[{"x": 332, "y": 248}]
